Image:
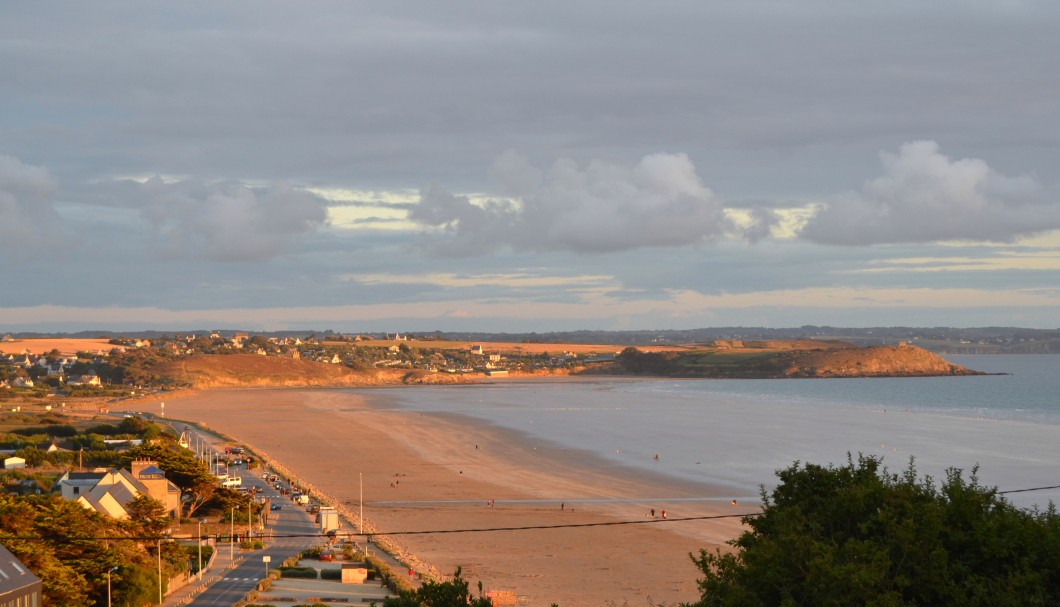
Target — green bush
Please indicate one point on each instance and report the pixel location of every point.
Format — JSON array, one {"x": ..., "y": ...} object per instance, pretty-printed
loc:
[
  {"x": 331, "y": 574},
  {"x": 312, "y": 553},
  {"x": 395, "y": 582},
  {"x": 859, "y": 535},
  {"x": 350, "y": 553},
  {"x": 299, "y": 572}
]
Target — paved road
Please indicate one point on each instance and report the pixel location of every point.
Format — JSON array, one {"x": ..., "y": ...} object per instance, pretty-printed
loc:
[
  {"x": 231, "y": 586},
  {"x": 290, "y": 520},
  {"x": 288, "y": 531}
]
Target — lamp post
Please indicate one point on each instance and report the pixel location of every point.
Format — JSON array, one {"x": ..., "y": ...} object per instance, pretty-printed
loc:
[
  {"x": 232, "y": 535},
  {"x": 159, "y": 572},
  {"x": 109, "y": 571},
  {"x": 200, "y": 548}
]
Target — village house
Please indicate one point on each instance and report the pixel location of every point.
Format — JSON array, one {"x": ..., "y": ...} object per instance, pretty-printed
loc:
[
  {"x": 84, "y": 380},
  {"x": 109, "y": 492}
]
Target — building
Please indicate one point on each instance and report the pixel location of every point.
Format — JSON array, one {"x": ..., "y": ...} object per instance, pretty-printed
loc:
[
  {"x": 109, "y": 492},
  {"x": 19, "y": 587},
  {"x": 14, "y": 462}
]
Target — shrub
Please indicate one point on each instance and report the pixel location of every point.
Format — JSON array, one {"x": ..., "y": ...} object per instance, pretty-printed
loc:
[
  {"x": 299, "y": 572},
  {"x": 331, "y": 574}
]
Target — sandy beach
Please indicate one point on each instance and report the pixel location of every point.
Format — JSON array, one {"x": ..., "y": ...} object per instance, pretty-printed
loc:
[{"x": 440, "y": 473}]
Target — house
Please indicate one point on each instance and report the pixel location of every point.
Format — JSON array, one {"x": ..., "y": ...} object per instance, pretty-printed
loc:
[
  {"x": 14, "y": 463},
  {"x": 476, "y": 350},
  {"x": 109, "y": 492},
  {"x": 73, "y": 485},
  {"x": 84, "y": 380},
  {"x": 18, "y": 585}
]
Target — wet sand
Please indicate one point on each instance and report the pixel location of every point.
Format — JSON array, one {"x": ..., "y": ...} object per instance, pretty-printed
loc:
[{"x": 440, "y": 473}]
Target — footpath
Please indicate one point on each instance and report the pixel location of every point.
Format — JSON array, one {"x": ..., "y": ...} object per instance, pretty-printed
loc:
[{"x": 221, "y": 564}]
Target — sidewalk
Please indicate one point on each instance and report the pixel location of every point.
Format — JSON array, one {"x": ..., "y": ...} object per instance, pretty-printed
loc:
[{"x": 221, "y": 565}]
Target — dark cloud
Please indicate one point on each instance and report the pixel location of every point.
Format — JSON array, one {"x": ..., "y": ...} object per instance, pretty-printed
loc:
[
  {"x": 228, "y": 222},
  {"x": 658, "y": 202},
  {"x": 29, "y": 223},
  {"x": 924, "y": 196}
]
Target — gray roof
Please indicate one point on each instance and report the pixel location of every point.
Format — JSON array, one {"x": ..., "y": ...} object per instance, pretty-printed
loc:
[{"x": 14, "y": 575}]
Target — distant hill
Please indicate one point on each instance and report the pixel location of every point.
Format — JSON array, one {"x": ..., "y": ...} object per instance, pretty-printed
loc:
[
  {"x": 248, "y": 370},
  {"x": 767, "y": 360}
]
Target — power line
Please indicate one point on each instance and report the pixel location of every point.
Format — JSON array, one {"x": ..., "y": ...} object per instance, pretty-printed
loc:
[
  {"x": 1031, "y": 489},
  {"x": 421, "y": 532},
  {"x": 433, "y": 531}
]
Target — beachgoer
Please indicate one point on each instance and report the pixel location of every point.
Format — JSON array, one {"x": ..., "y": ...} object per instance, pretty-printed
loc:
[
  {"x": 733, "y": 502},
  {"x": 562, "y": 506},
  {"x": 653, "y": 512},
  {"x": 664, "y": 514}
]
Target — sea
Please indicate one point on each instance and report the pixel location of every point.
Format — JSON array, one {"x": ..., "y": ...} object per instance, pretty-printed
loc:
[{"x": 1003, "y": 427}]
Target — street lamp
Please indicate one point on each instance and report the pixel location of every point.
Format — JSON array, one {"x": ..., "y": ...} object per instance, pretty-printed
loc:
[
  {"x": 159, "y": 572},
  {"x": 110, "y": 571},
  {"x": 200, "y": 521},
  {"x": 232, "y": 535}
]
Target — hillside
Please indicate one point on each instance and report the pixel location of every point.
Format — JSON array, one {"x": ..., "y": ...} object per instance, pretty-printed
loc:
[
  {"x": 767, "y": 359},
  {"x": 806, "y": 358},
  {"x": 248, "y": 370}
]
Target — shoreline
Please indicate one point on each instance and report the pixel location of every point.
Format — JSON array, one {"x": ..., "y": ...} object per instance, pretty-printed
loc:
[{"x": 439, "y": 472}]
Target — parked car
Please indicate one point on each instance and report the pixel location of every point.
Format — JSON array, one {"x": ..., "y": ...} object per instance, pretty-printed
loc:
[
  {"x": 275, "y": 507},
  {"x": 326, "y": 555}
]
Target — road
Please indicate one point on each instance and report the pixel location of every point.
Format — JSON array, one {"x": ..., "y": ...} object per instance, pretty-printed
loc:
[{"x": 290, "y": 520}]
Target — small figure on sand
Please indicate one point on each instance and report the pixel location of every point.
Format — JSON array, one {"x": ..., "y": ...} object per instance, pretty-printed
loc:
[
  {"x": 733, "y": 502},
  {"x": 664, "y": 514},
  {"x": 656, "y": 457},
  {"x": 563, "y": 506},
  {"x": 653, "y": 512}
]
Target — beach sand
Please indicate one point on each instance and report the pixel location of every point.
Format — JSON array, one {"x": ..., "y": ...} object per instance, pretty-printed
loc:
[{"x": 439, "y": 473}]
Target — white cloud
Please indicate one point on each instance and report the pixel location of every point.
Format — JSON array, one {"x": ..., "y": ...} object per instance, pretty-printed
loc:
[
  {"x": 29, "y": 222},
  {"x": 659, "y": 202},
  {"x": 924, "y": 196},
  {"x": 228, "y": 222}
]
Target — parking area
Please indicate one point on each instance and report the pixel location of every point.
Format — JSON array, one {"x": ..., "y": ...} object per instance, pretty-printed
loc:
[{"x": 296, "y": 591}]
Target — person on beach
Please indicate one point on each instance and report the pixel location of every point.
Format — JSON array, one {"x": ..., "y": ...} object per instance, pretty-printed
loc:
[
  {"x": 562, "y": 505},
  {"x": 664, "y": 514},
  {"x": 653, "y": 512}
]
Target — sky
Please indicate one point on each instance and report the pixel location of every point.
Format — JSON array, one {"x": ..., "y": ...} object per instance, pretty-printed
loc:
[{"x": 528, "y": 166}]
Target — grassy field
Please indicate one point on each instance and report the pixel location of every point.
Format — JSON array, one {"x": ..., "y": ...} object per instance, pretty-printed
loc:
[{"x": 66, "y": 347}]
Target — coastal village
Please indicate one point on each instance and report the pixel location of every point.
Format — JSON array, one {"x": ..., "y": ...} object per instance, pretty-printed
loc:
[{"x": 22, "y": 369}]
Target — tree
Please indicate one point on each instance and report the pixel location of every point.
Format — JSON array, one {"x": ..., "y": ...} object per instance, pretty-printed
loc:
[
  {"x": 858, "y": 535},
  {"x": 452, "y": 593},
  {"x": 182, "y": 467},
  {"x": 147, "y": 516}
]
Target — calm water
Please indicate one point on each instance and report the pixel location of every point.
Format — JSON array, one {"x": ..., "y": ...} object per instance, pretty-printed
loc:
[{"x": 739, "y": 432}]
